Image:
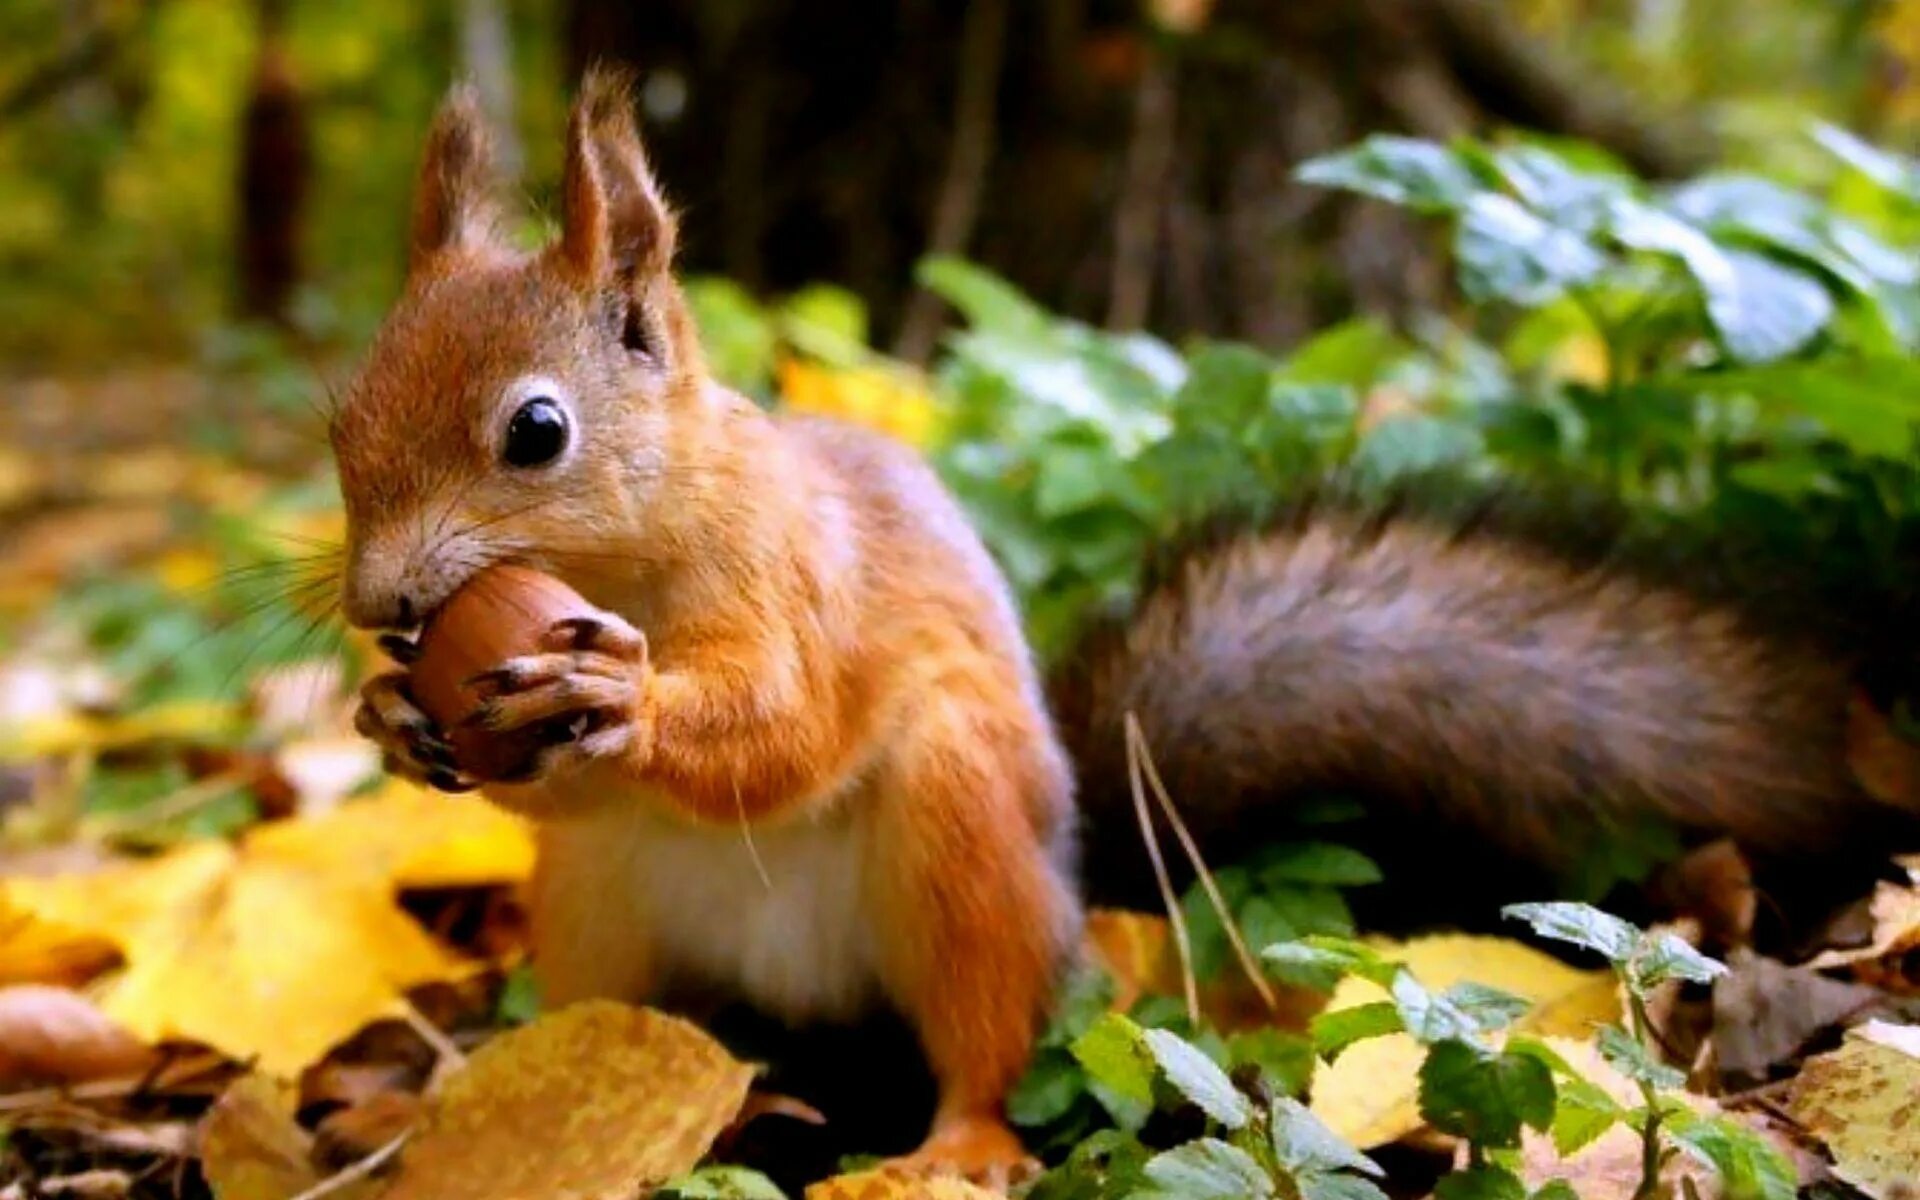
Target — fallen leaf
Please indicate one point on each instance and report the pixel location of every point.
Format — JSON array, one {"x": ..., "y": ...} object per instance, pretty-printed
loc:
[
  {"x": 1895, "y": 911},
  {"x": 1369, "y": 1095},
  {"x": 883, "y": 1183},
  {"x": 250, "y": 1147},
  {"x": 1862, "y": 1102},
  {"x": 1764, "y": 1012},
  {"x": 1137, "y": 951},
  {"x": 591, "y": 1102},
  {"x": 70, "y": 732},
  {"x": 50, "y": 1034},
  {"x": 278, "y": 948}
]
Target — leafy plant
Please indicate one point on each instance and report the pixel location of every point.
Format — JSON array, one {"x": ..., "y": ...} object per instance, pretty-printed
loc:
[{"x": 1748, "y": 1167}]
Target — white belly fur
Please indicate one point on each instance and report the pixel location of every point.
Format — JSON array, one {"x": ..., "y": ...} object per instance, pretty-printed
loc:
[{"x": 781, "y": 922}]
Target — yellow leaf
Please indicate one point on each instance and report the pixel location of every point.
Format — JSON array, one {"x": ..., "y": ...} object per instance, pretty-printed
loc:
[
  {"x": 187, "y": 571},
  {"x": 1863, "y": 1102},
  {"x": 1896, "y": 931},
  {"x": 70, "y": 732},
  {"x": 885, "y": 1184},
  {"x": 1370, "y": 1093},
  {"x": 592, "y": 1102},
  {"x": 1138, "y": 952},
  {"x": 889, "y": 399},
  {"x": 280, "y": 948}
]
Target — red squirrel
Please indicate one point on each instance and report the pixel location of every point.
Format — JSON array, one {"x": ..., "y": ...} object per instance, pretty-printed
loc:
[{"x": 802, "y": 637}]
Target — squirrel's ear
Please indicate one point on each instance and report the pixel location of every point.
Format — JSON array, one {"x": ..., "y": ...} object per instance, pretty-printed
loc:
[
  {"x": 616, "y": 222},
  {"x": 453, "y": 204}
]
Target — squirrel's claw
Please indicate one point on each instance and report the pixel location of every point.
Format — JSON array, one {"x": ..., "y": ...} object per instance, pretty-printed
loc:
[
  {"x": 606, "y": 634},
  {"x": 411, "y": 745}
]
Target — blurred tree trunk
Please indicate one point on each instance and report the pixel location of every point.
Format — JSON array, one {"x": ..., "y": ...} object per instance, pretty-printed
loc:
[
  {"x": 274, "y": 176},
  {"x": 1133, "y": 175},
  {"x": 486, "y": 57}
]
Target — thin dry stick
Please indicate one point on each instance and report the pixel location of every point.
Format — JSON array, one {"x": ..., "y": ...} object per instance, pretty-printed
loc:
[
  {"x": 356, "y": 1171},
  {"x": 1174, "y": 920},
  {"x": 447, "y": 1056},
  {"x": 1248, "y": 964}
]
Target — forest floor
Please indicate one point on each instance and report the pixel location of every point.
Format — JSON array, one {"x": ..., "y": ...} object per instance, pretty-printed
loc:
[{"x": 236, "y": 959}]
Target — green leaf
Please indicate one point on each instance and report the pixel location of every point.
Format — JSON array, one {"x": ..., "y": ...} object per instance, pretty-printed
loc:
[
  {"x": 1761, "y": 309},
  {"x": 1571, "y": 198},
  {"x": 1115, "y": 1054},
  {"x": 1209, "y": 1169},
  {"x": 1053, "y": 1081},
  {"x": 519, "y": 997},
  {"x": 986, "y": 300},
  {"x": 1316, "y": 1185},
  {"x": 1486, "y": 1182},
  {"x": 1894, "y": 172},
  {"x": 1406, "y": 171},
  {"x": 1429, "y": 1018},
  {"x": 1353, "y": 354},
  {"x": 1579, "y": 924},
  {"x": 1584, "y": 1112},
  {"x": 1555, "y": 1189},
  {"x": 1285, "y": 1059},
  {"x": 1749, "y": 1167},
  {"x": 1302, "y": 1143},
  {"x": 1663, "y": 956},
  {"x": 1506, "y": 253},
  {"x": 1198, "y": 1078},
  {"x": 1339, "y": 1028},
  {"x": 722, "y": 1183},
  {"x": 1106, "y": 1163},
  {"x": 1316, "y": 862},
  {"x": 1488, "y": 1008},
  {"x": 1414, "y": 444},
  {"x": 1485, "y": 1096},
  {"x": 1331, "y": 956},
  {"x": 1633, "y": 1060}
]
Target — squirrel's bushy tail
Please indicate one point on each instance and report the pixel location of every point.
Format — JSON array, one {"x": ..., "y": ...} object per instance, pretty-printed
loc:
[{"x": 1467, "y": 667}]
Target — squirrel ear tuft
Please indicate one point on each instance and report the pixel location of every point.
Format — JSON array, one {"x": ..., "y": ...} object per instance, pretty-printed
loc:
[
  {"x": 617, "y": 224},
  {"x": 453, "y": 204}
]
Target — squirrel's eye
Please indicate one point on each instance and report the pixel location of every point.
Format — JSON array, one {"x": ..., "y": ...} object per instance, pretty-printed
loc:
[{"x": 536, "y": 435}]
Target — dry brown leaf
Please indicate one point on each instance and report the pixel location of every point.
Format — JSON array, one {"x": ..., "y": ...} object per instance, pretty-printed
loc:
[
  {"x": 1765, "y": 1011},
  {"x": 1370, "y": 1094},
  {"x": 55, "y": 1034},
  {"x": 588, "y": 1103},
  {"x": 1895, "y": 911},
  {"x": 276, "y": 949},
  {"x": 885, "y": 1184},
  {"x": 1862, "y": 1102},
  {"x": 250, "y": 1147}
]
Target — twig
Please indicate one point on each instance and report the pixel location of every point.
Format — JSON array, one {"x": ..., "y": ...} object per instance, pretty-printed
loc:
[
  {"x": 982, "y": 42},
  {"x": 447, "y": 1056},
  {"x": 355, "y": 1172},
  {"x": 1136, "y": 225},
  {"x": 1174, "y": 919},
  {"x": 1248, "y": 964}
]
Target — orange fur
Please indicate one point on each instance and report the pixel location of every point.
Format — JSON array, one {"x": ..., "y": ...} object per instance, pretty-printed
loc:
[{"x": 830, "y": 656}]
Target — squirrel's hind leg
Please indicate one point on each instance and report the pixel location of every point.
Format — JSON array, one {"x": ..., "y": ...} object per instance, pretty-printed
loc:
[{"x": 974, "y": 917}]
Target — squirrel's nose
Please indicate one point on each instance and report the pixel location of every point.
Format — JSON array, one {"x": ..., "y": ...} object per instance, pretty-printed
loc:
[{"x": 376, "y": 593}]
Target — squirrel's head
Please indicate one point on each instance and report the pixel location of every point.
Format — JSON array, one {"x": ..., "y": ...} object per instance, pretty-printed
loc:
[{"x": 517, "y": 406}]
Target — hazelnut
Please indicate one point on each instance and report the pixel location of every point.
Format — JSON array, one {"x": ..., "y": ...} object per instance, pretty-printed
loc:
[{"x": 500, "y": 613}]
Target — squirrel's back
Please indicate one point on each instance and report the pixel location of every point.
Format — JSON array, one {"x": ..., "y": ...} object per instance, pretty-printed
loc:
[{"x": 1466, "y": 669}]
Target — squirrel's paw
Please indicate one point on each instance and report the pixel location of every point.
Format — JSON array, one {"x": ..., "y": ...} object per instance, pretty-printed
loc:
[
  {"x": 978, "y": 1148},
  {"x": 410, "y": 744},
  {"x": 586, "y": 684}
]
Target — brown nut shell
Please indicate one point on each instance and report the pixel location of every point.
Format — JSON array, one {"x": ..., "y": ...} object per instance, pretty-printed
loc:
[{"x": 499, "y": 614}]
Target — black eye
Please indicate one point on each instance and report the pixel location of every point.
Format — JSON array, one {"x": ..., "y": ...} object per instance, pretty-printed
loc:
[{"x": 536, "y": 435}]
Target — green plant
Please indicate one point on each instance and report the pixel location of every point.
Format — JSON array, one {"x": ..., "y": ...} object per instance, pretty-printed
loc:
[{"x": 1749, "y": 1169}]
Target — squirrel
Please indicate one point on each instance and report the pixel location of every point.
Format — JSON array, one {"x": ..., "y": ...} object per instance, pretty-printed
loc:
[{"x": 822, "y": 771}]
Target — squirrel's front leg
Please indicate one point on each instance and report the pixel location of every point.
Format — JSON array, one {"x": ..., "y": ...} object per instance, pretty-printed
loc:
[{"x": 411, "y": 745}]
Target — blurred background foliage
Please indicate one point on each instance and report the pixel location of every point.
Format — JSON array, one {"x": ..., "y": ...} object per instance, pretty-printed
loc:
[
  {"x": 817, "y": 142},
  {"x": 1111, "y": 263}
]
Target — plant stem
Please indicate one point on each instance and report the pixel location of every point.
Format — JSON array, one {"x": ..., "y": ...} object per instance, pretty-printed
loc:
[{"x": 1650, "y": 1132}]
